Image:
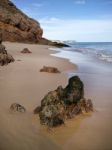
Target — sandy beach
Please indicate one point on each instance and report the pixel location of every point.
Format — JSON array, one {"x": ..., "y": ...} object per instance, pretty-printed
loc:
[{"x": 22, "y": 82}]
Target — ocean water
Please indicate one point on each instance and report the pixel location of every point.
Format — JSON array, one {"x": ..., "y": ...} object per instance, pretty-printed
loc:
[
  {"x": 90, "y": 57},
  {"x": 99, "y": 50}
]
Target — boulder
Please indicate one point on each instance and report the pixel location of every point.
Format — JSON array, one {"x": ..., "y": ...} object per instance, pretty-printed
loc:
[
  {"x": 5, "y": 58},
  {"x": 26, "y": 51},
  {"x": 49, "y": 69},
  {"x": 15, "y": 107},
  {"x": 64, "y": 103}
]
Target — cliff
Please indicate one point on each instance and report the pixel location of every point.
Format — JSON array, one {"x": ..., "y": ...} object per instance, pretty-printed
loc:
[{"x": 16, "y": 26}]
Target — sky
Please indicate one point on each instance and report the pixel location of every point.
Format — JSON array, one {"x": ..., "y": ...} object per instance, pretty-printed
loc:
[{"x": 80, "y": 20}]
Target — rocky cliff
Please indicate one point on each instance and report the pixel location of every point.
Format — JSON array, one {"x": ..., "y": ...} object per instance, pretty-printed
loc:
[{"x": 16, "y": 26}]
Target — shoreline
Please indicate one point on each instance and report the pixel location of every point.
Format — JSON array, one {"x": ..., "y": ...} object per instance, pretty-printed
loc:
[
  {"x": 94, "y": 131},
  {"x": 22, "y": 82}
]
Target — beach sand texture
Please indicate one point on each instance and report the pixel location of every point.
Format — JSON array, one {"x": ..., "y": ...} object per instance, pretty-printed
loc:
[{"x": 22, "y": 82}]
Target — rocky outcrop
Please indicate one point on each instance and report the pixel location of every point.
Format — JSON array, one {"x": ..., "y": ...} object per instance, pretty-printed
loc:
[
  {"x": 16, "y": 26},
  {"x": 15, "y": 107},
  {"x": 5, "y": 58},
  {"x": 64, "y": 103},
  {"x": 52, "y": 43},
  {"x": 49, "y": 69},
  {"x": 26, "y": 51}
]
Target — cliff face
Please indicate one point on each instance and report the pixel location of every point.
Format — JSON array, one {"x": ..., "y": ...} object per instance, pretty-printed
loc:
[{"x": 16, "y": 26}]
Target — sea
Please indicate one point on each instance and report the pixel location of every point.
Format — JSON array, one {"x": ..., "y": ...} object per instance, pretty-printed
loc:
[
  {"x": 90, "y": 57},
  {"x": 99, "y": 50}
]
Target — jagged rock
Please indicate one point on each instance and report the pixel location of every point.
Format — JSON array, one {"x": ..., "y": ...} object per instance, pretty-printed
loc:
[
  {"x": 52, "y": 115},
  {"x": 15, "y": 107},
  {"x": 74, "y": 91},
  {"x": 5, "y": 58},
  {"x": 2, "y": 49},
  {"x": 83, "y": 106},
  {"x": 37, "y": 110},
  {"x": 86, "y": 105},
  {"x": 64, "y": 103},
  {"x": 49, "y": 69},
  {"x": 26, "y": 50}
]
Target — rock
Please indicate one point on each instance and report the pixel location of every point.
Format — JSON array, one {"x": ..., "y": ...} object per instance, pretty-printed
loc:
[
  {"x": 0, "y": 38},
  {"x": 52, "y": 115},
  {"x": 26, "y": 50},
  {"x": 48, "y": 42},
  {"x": 74, "y": 91},
  {"x": 16, "y": 26},
  {"x": 60, "y": 44},
  {"x": 5, "y": 58},
  {"x": 37, "y": 110},
  {"x": 86, "y": 105},
  {"x": 49, "y": 69},
  {"x": 2, "y": 49},
  {"x": 15, "y": 107},
  {"x": 64, "y": 103}
]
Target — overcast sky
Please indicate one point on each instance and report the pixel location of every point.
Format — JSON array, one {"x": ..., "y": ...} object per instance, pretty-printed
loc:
[{"x": 80, "y": 20}]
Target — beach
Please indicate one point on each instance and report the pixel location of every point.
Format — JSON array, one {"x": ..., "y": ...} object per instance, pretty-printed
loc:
[{"x": 22, "y": 82}]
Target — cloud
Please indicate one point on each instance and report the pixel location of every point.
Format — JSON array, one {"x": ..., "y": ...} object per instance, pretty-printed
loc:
[
  {"x": 52, "y": 20},
  {"x": 79, "y": 30},
  {"x": 80, "y": 2},
  {"x": 37, "y": 4}
]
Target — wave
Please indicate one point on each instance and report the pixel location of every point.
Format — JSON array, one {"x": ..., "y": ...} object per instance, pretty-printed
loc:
[{"x": 101, "y": 50}]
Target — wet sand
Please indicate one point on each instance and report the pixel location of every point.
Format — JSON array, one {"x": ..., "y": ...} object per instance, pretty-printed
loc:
[
  {"x": 22, "y": 82},
  {"x": 94, "y": 131}
]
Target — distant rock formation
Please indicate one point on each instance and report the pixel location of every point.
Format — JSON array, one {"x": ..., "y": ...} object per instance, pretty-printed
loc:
[
  {"x": 26, "y": 51},
  {"x": 5, "y": 58},
  {"x": 16, "y": 26},
  {"x": 15, "y": 107},
  {"x": 63, "y": 103},
  {"x": 52, "y": 43},
  {"x": 49, "y": 69}
]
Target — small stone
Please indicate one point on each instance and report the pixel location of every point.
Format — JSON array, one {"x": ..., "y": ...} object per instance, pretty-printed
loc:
[
  {"x": 15, "y": 107},
  {"x": 49, "y": 69},
  {"x": 26, "y": 51}
]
